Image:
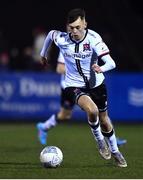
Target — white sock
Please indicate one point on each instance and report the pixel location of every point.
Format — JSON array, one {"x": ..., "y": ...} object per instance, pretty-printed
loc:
[
  {"x": 112, "y": 143},
  {"x": 96, "y": 130},
  {"x": 49, "y": 123}
]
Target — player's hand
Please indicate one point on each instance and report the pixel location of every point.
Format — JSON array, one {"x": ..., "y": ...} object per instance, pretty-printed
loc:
[
  {"x": 96, "y": 68},
  {"x": 44, "y": 63}
]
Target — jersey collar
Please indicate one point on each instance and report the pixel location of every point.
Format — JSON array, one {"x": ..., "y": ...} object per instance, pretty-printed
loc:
[{"x": 77, "y": 42}]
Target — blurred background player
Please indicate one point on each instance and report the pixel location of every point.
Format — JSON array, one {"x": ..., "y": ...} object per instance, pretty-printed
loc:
[
  {"x": 67, "y": 104},
  {"x": 65, "y": 111}
]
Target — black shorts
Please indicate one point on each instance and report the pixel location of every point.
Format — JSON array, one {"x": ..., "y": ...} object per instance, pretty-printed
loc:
[
  {"x": 67, "y": 99},
  {"x": 97, "y": 94}
]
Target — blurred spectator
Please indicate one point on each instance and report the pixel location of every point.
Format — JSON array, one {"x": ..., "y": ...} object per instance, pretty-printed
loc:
[
  {"x": 4, "y": 55},
  {"x": 39, "y": 35},
  {"x": 4, "y": 62},
  {"x": 28, "y": 58},
  {"x": 32, "y": 55},
  {"x": 28, "y": 61}
]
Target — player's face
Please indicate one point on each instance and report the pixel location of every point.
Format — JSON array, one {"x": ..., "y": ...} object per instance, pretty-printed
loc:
[{"x": 77, "y": 29}]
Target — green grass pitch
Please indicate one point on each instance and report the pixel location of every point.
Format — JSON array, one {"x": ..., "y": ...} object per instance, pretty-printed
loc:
[{"x": 20, "y": 149}]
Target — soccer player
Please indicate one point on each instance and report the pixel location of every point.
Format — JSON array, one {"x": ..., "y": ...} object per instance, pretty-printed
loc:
[
  {"x": 65, "y": 112},
  {"x": 84, "y": 78},
  {"x": 67, "y": 104}
]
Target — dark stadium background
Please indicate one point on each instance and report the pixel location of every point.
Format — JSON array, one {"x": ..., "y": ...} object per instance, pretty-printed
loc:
[{"x": 119, "y": 22}]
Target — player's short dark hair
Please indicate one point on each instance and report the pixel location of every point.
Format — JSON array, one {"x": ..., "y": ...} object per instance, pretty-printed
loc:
[{"x": 74, "y": 14}]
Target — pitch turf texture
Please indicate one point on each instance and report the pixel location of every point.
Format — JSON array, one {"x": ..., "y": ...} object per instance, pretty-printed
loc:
[{"x": 20, "y": 149}]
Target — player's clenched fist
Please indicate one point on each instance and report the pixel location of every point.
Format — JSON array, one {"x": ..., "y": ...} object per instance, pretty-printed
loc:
[{"x": 96, "y": 68}]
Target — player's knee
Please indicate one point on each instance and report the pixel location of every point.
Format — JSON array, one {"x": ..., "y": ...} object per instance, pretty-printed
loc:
[
  {"x": 92, "y": 114},
  {"x": 92, "y": 111},
  {"x": 64, "y": 116},
  {"x": 104, "y": 118},
  {"x": 105, "y": 123}
]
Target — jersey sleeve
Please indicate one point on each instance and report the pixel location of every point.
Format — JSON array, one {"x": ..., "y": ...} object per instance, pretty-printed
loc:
[
  {"x": 47, "y": 43},
  {"x": 109, "y": 63},
  {"x": 61, "y": 58},
  {"x": 100, "y": 47}
]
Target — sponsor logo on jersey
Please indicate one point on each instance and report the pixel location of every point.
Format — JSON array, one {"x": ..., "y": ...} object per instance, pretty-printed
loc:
[{"x": 78, "y": 55}]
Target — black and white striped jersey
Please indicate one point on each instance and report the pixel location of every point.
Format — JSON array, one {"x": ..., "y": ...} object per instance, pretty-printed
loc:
[{"x": 79, "y": 56}]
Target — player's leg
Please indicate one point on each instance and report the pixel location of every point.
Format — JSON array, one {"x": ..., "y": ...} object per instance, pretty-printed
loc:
[
  {"x": 86, "y": 103},
  {"x": 99, "y": 96},
  {"x": 109, "y": 133},
  {"x": 44, "y": 127},
  {"x": 65, "y": 112},
  {"x": 52, "y": 121},
  {"x": 107, "y": 130},
  {"x": 120, "y": 141}
]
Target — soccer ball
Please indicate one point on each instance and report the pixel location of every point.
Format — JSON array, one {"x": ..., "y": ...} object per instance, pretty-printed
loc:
[{"x": 51, "y": 156}]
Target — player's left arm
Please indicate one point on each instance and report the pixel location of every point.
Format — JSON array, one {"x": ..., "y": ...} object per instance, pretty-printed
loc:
[
  {"x": 102, "y": 52},
  {"x": 109, "y": 64}
]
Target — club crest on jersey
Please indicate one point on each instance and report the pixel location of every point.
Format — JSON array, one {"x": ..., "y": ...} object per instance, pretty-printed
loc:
[{"x": 86, "y": 47}]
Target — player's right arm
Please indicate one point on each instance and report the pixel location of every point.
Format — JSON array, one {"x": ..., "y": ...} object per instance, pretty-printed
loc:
[
  {"x": 60, "y": 68},
  {"x": 46, "y": 48}
]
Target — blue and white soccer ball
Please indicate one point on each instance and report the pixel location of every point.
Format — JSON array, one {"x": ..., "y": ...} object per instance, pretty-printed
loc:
[{"x": 51, "y": 156}]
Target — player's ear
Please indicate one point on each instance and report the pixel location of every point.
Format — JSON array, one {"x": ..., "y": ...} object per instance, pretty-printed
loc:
[
  {"x": 85, "y": 25},
  {"x": 67, "y": 28}
]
